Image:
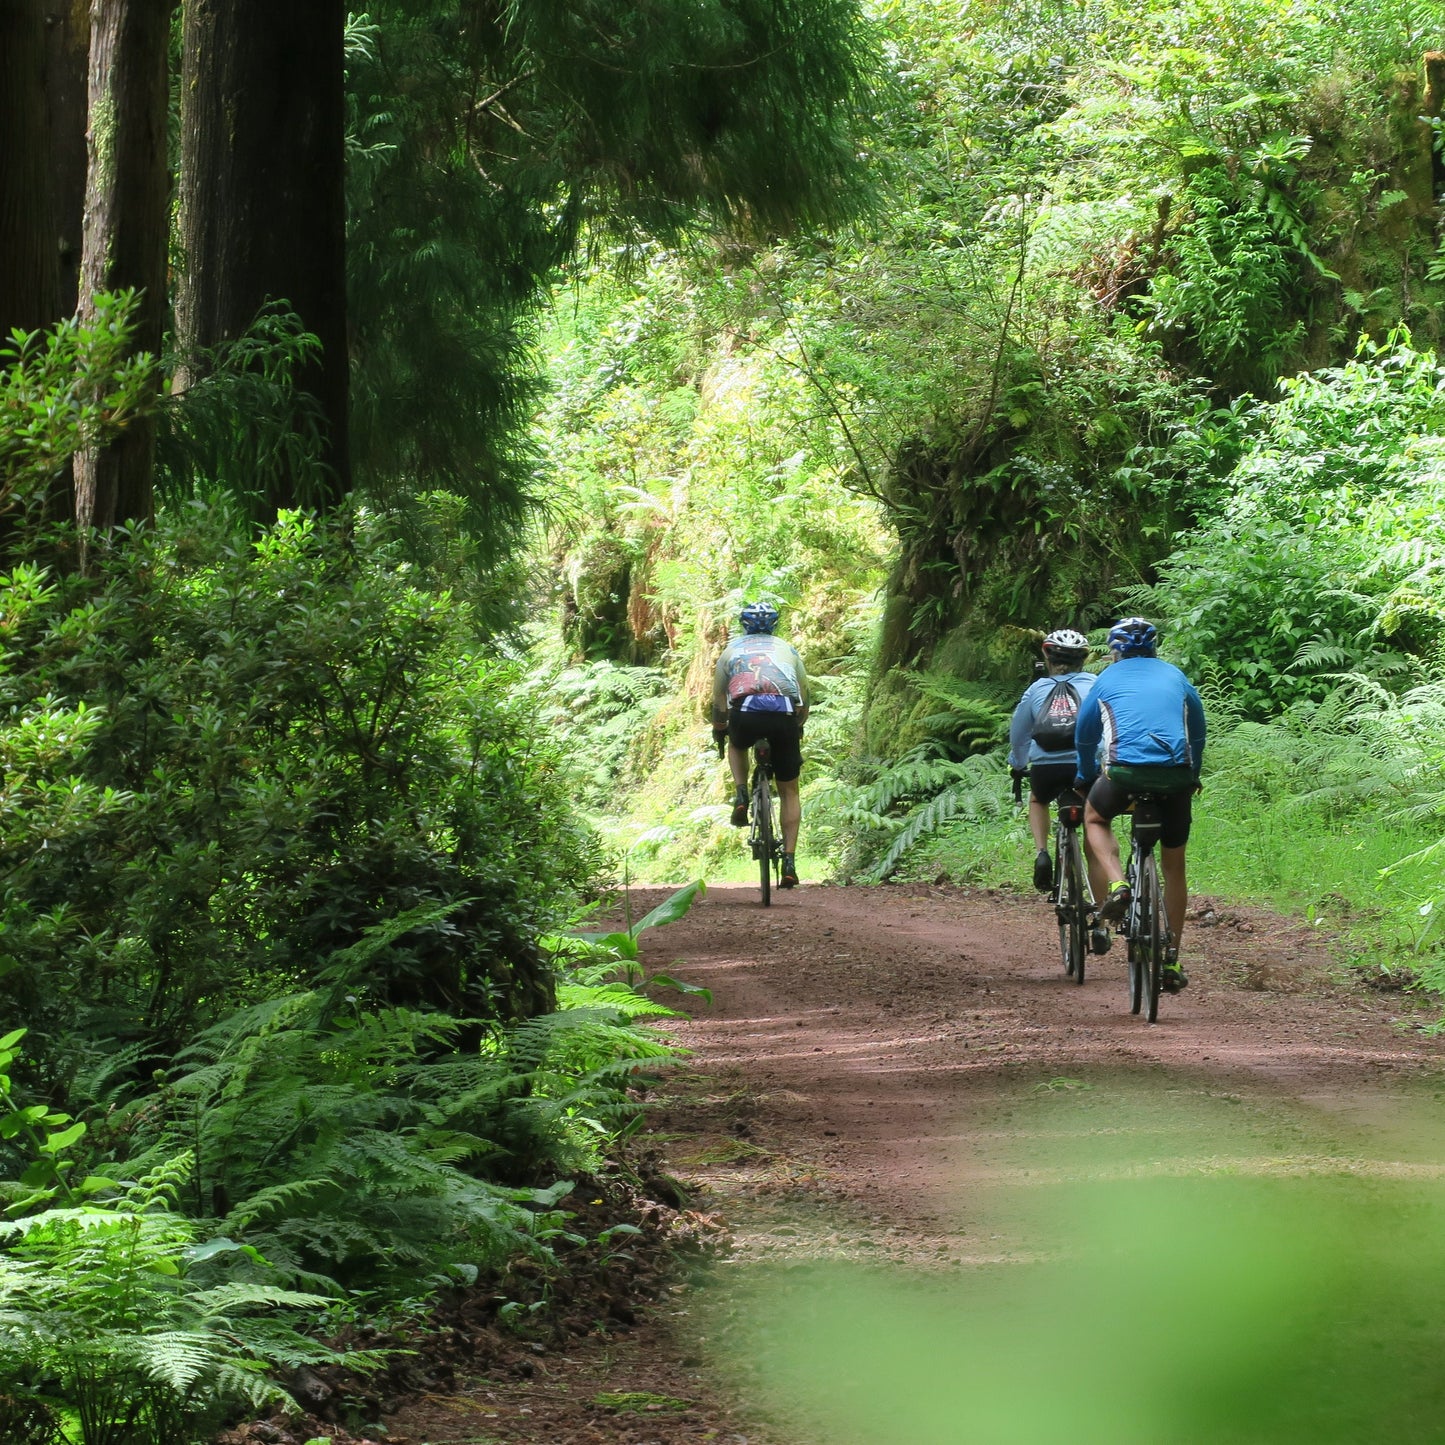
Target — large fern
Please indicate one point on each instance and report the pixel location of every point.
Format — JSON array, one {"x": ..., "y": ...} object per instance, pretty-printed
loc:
[
  {"x": 372, "y": 1142},
  {"x": 128, "y": 1317},
  {"x": 975, "y": 791}
]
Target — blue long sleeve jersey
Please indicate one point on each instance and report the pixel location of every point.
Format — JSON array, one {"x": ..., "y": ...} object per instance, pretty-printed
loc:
[
  {"x": 1023, "y": 751},
  {"x": 1141, "y": 710}
]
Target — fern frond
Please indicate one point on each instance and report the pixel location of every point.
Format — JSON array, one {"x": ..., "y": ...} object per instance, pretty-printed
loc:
[{"x": 975, "y": 794}]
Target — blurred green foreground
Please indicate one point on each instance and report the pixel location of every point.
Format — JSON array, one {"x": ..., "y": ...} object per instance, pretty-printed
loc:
[{"x": 1204, "y": 1289}]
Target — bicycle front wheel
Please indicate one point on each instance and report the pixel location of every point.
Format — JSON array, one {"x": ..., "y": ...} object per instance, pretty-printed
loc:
[
  {"x": 1072, "y": 920},
  {"x": 1151, "y": 918},
  {"x": 763, "y": 819}
]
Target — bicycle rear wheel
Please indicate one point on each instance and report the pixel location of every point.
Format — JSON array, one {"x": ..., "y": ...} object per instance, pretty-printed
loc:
[
  {"x": 1068, "y": 902},
  {"x": 1133, "y": 932},
  {"x": 1151, "y": 917},
  {"x": 763, "y": 821},
  {"x": 1071, "y": 901}
]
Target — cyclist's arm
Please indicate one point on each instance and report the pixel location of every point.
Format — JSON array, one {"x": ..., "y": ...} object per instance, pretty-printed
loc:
[
  {"x": 1194, "y": 720},
  {"x": 720, "y": 693},
  {"x": 1020, "y": 732},
  {"x": 1088, "y": 732}
]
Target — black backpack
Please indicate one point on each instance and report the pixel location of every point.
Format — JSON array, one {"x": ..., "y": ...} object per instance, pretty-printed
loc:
[{"x": 1054, "y": 717}]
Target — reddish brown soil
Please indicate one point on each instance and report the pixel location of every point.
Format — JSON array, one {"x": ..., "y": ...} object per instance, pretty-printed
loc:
[{"x": 867, "y": 1078}]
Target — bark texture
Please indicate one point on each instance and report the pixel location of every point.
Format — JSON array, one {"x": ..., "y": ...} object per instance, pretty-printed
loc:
[
  {"x": 126, "y": 215},
  {"x": 29, "y": 269},
  {"x": 262, "y": 203},
  {"x": 67, "y": 48}
]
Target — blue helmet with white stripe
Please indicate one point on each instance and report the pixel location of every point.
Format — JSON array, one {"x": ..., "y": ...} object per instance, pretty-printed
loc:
[
  {"x": 759, "y": 617},
  {"x": 1133, "y": 637}
]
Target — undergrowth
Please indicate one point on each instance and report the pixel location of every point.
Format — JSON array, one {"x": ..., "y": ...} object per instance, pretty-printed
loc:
[{"x": 178, "y": 1250}]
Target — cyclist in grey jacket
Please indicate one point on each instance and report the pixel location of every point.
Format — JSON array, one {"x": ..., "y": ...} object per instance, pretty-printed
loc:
[
  {"x": 760, "y": 690},
  {"x": 1049, "y": 768}
]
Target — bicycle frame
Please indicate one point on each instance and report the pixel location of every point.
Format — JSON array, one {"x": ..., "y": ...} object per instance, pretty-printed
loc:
[
  {"x": 1072, "y": 899},
  {"x": 763, "y": 838}
]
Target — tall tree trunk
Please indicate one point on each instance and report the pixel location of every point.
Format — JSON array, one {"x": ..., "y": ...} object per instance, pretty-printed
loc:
[
  {"x": 262, "y": 203},
  {"x": 29, "y": 270},
  {"x": 67, "y": 48},
  {"x": 126, "y": 227}
]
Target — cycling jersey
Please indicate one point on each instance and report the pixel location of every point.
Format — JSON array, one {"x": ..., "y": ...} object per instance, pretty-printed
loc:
[
  {"x": 1023, "y": 751},
  {"x": 759, "y": 666},
  {"x": 1141, "y": 711}
]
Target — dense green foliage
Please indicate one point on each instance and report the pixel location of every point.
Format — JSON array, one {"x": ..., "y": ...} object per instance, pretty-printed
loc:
[
  {"x": 287, "y": 866},
  {"x": 490, "y": 143},
  {"x": 1323, "y": 558},
  {"x": 1048, "y": 369},
  {"x": 939, "y": 325},
  {"x": 272, "y": 749}
]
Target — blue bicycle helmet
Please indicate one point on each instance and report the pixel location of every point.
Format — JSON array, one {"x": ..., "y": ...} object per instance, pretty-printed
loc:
[
  {"x": 1133, "y": 637},
  {"x": 759, "y": 617}
]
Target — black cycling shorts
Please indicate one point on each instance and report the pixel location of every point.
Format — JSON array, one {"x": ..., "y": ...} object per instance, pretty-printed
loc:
[
  {"x": 1048, "y": 780},
  {"x": 783, "y": 731},
  {"x": 1176, "y": 809}
]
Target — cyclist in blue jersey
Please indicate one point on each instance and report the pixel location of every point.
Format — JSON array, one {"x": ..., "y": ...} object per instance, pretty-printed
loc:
[
  {"x": 1045, "y": 753},
  {"x": 1141, "y": 730},
  {"x": 760, "y": 690}
]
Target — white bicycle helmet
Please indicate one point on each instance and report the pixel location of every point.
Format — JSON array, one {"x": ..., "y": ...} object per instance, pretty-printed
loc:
[{"x": 1066, "y": 643}]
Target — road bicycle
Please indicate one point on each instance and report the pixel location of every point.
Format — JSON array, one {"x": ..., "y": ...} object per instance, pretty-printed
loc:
[
  {"x": 762, "y": 832},
  {"x": 1072, "y": 899},
  {"x": 763, "y": 838},
  {"x": 1145, "y": 925}
]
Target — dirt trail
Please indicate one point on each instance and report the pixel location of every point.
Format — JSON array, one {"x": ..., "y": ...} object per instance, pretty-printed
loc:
[
  {"x": 871, "y": 1041},
  {"x": 880, "y": 1066}
]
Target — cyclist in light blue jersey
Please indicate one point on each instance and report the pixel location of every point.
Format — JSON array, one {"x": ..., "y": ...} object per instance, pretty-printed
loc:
[{"x": 1141, "y": 730}]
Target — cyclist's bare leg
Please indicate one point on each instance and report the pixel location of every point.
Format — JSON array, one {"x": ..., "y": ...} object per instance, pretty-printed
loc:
[
  {"x": 1098, "y": 879},
  {"x": 1176, "y": 890},
  {"x": 1039, "y": 822},
  {"x": 790, "y": 811},
  {"x": 1103, "y": 849},
  {"x": 738, "y": 766}
]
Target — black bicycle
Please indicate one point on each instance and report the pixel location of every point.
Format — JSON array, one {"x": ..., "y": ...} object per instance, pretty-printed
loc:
[
  {"x": 762, "y": 834},
  {"x": 1072, "y": 899},
  {"x": 1145, "y": 925}
]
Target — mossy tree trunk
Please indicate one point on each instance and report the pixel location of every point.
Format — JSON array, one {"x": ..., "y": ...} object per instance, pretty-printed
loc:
[
  {"x": 126, "y": 227},
  {"x": 262, "y": 208}
]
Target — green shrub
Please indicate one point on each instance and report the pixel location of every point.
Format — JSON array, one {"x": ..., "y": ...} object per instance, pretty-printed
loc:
[
  {"x": 1324, "y": 560},
  {"x": 249, "y": 752},
  {"x": 63, "y": 389}
]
